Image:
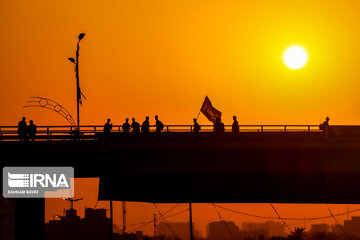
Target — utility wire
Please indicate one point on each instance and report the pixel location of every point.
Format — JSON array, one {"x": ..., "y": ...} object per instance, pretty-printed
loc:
[
  {"x": 150, "y": 222},
  {"x": 283, "y": 221},
  {"x": 285, "y": 218},
  {"x": 167, "y": 224},
  {"x": 226, "y": 225},
  {"x": 336, "y": 221}
]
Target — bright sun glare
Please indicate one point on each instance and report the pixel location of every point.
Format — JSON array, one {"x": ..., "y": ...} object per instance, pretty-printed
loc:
[{"x": 295, "y": 57}]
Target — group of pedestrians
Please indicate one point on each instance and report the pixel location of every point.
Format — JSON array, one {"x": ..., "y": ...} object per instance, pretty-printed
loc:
[
  {"x": 219, "y": 126},
  {"x": 28, "y": 132},
  {"x": 25, "y": 131},
  {"x": 135, "y": 127}
]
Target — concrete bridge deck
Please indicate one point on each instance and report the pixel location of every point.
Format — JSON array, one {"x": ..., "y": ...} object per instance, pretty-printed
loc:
[
  {"x": 278, "y": 167},
  {"x": 249, "y": 167}
]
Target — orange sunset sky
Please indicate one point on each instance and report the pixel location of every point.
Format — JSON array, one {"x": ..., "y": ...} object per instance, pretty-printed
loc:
[
  {"x": 143, "y": 58},
  {"x": 162, "y": 57}
]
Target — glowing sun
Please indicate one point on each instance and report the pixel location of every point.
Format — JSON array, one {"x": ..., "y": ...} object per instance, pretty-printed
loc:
[{"x": 295, "y": 57}]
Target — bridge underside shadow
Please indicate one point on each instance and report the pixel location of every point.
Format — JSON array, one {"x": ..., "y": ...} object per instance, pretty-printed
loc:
[{"x": 247, "y": 168}]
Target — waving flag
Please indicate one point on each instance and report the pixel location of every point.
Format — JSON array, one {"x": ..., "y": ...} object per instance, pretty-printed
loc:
[{"x": 209, "y": 111}]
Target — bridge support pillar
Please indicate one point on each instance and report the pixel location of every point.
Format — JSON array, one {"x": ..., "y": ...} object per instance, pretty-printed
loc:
[{"x": 29, "y": 218}]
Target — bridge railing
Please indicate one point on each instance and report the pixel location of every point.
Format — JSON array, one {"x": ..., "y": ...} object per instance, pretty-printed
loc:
[{"x": 90, "y": 131}]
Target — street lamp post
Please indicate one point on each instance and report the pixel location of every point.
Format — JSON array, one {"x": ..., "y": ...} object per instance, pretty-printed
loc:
[{"x": 79, "y": 94}]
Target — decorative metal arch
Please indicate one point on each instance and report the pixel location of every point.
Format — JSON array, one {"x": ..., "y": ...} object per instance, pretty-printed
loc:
[{"x": 51, "y": 105}]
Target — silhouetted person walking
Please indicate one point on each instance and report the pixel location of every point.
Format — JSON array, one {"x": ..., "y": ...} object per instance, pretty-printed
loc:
[
  {"x": 235, "y": 125},
  {"x": 135, "y": 126},
  {"x": 145, "y": 127},
  {"x": 126, "y": 126},
  {"x": 22, "y": 130},
  {"x": 107, "y": 126},
  {"x": 159, "y": 125},
  {"x": 31, "y": 130},
  {"x": 325, "y": 124},
  {"x": 196, "y": 126},
  {"x": 324, "y": 127},
  {"x": 219, "y": 127}
]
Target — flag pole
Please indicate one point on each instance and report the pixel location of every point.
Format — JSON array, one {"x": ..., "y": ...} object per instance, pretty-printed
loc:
[
  {"x": 198, "y": 115},
  {"x": 200, "y": 110}
]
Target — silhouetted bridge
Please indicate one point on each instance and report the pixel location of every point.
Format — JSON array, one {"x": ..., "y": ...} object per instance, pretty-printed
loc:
[
  {"x": 277, "y": 164},
  {"x": 262, "y": 163}
]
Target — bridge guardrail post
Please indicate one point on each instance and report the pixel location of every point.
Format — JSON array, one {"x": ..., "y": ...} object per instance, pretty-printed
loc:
[
  {"x": 47, "y": 133},
  {"x": 262, "y": 128},
  {"x": 285, "y": 128}
]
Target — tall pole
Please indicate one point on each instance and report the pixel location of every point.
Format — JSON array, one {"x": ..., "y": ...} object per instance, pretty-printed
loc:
[
  {"x": 111, "y": 220},
  {"x": 155, "y": 225},
  {"x": 191, "y": 222},
  {"x": 78, "y": 91},
  {"x": 124, "y": 216}
]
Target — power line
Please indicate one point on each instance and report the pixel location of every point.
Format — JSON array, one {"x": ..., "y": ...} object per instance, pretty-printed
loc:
[
  {"x": 144, "y": 224},
  {"x": 285, "y": 218},
  {"x": 226, "y": 225},
  {"x": 167, "y": 224},
  {"x": 141, "y": 223},
  {"x": 283, "y": 221}
]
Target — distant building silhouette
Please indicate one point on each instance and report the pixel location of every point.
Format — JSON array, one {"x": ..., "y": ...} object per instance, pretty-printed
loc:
[
  {"x": 181, "y": 230},
  {"x": 319, "y": 228},
  {"x": 228, "y": 230},
  {"x": 221, "y": 230},
  {"x": 352, "y": 226},
  {"x": 269, "y": 228},
  {"x": 94, "y": 226}
]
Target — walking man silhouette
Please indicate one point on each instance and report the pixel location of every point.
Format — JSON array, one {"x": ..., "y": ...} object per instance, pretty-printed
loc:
[
  {"x": 325, "y": 124},
  {"x": 135, "y": 126},
  {"x": 145, "y": 127},
  {"x": 196, "y": 126},
  {"x": 219, "y": 127},
  {"x": 159, "y": 124},
  {"x": 22, "y": 130},
  {"x": 107, "y": 126},
  {"x": 126, "y": 126},
  {"x": 31, "y": 130},
  {"x": 235, "y": 125}
]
